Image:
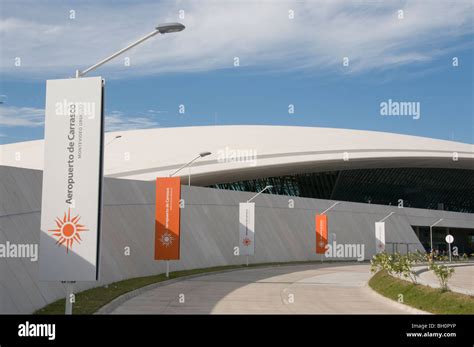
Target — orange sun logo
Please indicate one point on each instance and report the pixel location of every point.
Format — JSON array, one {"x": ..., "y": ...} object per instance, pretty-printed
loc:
[
  {"x": 246, "y": 241},
  {"x": 166, "y": 239},
  {"x": 68, "y": 230}
]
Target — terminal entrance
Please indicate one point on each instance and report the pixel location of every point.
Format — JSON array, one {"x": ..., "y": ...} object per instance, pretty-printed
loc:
[{"x": 463, "y": 239}]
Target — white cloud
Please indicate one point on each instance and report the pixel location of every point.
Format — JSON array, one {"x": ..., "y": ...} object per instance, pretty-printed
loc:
[
  {"x": 30, "y": 117},
  {"x": 12, "y": 116},
  {"x": 156, "y": 112},
  {"x": 259, "y": 33},
  {"x": 117, "y": 121}
]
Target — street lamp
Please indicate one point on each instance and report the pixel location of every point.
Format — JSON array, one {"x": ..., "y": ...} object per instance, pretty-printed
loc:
[
  {"x": 332, "y": 206},
  {"x": 201, "y": 155},
  {"x": 431, "y": 231},
  {"x": 160, "y": 29},
  {"x": 260, "y": 192},
  {"x": 384, "y": 218},
  {"x": 167, "y": 28},
  {"x": 115, "y": 138}
]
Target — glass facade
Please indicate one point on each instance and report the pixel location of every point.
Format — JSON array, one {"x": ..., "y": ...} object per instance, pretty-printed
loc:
[
  {"x": 463, "y": 239},
  {"x": 430, "y": 188}
]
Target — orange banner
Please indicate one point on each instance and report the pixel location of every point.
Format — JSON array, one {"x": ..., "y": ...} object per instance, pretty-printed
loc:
[
  {"x": 321, "y": 233},
  {"x": 167, "y": 218}
]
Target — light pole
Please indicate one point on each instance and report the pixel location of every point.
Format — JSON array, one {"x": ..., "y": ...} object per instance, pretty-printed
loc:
[
  {"x": 431, "y": 232},
  {"x": 260, "y": 192},
  {"x": 160, "y": 29},
  {"x": 384, "y": 218},
  {"x": 331, "y": 207},
  {"x": 115, "y": 138},
  {"x": 189, "y": 163}
]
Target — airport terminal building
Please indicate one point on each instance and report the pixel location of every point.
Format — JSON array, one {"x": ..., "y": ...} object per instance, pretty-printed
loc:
[{"x": 421, "y": 180}]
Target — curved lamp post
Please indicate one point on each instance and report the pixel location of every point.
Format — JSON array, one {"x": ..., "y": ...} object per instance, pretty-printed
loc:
[
  {"x": 189, "y": 163},
  {"x": 160, "y": 29}
]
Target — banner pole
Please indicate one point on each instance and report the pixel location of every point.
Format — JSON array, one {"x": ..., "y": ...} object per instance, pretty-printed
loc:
[
  {"x": 69, "y": 293},
  {"x": 167, "y": 268},
  {"x": 247, "y": 260}
]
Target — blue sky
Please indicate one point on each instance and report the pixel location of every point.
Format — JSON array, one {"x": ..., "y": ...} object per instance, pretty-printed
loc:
[{"x": 407, "y": 60}]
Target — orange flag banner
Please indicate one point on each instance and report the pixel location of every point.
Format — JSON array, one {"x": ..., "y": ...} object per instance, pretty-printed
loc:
[
  {"x": 167, "y": 218},
  {"x": 321, "y": 233}
]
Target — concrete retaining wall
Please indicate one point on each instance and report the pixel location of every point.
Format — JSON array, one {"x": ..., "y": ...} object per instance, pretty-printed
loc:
[{"x": 209, "y": 232}]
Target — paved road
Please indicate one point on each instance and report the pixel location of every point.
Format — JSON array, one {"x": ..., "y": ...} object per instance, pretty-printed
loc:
[{"x": 286, "y": 289}]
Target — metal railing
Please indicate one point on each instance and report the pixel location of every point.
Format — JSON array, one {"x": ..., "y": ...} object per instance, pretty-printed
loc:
[{"x": 395, "y": 246}]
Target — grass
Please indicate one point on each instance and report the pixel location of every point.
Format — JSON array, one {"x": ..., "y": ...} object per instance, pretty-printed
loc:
[
  {"x": 91, "y": 300},
  {"x": 422, "y": 297}
]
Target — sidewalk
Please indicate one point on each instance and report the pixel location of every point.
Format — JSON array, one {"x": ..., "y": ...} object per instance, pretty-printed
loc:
[{"x": 461, "y": 282}]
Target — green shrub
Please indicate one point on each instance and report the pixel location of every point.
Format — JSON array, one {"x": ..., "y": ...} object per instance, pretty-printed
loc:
[
  {"x": 397, "y": 264},
  {"x": 443, "y": 273}
]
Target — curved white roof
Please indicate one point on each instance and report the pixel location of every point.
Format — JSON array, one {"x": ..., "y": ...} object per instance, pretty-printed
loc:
[{"x": 244, "y": 152}]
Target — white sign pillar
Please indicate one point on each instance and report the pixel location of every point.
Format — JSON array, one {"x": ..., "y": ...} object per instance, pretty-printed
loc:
[
  {"x": 379, "y": 237},
  {"x": 247, "y": 229},
  {"x": 72, "y": 182}
]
